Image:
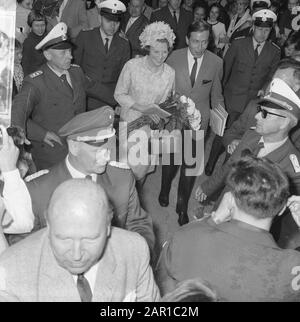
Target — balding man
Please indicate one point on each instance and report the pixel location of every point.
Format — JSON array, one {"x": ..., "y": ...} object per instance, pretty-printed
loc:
[
  {"x": 132, "y": 24},
  {"x": 79, "y": 257}
]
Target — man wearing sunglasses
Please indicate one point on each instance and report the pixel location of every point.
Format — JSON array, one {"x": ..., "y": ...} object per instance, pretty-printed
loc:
[
  {"x": 89, "y": 138},
  {"x": 277, "y": 114}
]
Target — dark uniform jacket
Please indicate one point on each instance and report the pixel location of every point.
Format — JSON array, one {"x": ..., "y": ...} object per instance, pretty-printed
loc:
[
  {"x": 134, "y": 32},
  {"x": 280, "y": 156},
  {"x": 242, "y": 262},
  {"x": 119, "y": 184},
  {"x": 103, "y": 68},
  {"x": 45, "y": 105},
  {"x": 185, "y": 19},
  {"x": 243, "y": 77}
]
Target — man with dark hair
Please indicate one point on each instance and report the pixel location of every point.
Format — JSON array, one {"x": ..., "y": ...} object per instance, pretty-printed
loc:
[
  {"x": 239, "y": 258},
  {"x": 198, "y": 74}
]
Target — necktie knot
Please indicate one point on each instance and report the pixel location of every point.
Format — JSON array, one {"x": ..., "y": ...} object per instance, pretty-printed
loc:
[
  {"x": 106, "y": 44},
  {"x": 67, "y": 86},
  {"x": 84, "y": 289},
  {"x": 175, "y": 17}
]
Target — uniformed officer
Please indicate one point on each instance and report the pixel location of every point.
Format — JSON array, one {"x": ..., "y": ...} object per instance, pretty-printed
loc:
[
  {"x": 102, "y": 53},
  {"x": 49, "y": 98},
  {"x": 249, "y": 63},
  {"x": 89, "y": 137},
  {"x": 278, "y": 112}
]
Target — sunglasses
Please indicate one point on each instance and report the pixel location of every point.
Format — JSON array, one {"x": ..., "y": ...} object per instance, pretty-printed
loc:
[{"x": 264, "y": 113}]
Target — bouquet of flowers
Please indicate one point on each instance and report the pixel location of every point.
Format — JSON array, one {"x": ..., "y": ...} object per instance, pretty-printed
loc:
[{"x": 184, "y": 115}]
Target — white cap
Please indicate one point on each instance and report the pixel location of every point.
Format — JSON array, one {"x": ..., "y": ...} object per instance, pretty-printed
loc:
[
  {"x": 282, "y": 96},
  {"x": 264, "y": 18},
  {"x": 57, "y": 38},
  {"x": 112, "y": 9}
]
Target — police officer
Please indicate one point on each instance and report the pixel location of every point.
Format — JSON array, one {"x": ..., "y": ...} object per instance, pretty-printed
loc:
[
  {"x": 249, "y": 63},
  {"x": 50, "y": 97},
  {"x": 102, "y": 54}
]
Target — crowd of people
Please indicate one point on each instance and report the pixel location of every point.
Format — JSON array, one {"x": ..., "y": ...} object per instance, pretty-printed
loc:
[{"x": 73, "y": 222}]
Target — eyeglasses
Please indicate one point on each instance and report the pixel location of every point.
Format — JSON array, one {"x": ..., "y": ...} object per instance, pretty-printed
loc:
[{"x": 264, "y": 113}]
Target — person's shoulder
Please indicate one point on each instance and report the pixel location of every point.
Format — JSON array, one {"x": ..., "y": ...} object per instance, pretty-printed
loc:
[
  {"x": 240, "y": 40},
  {"x": 24, "y": 247},
  {"x": 36, "y": 74},
  {"x": 128, "y": 239},
  {"x": 215, "y": 58},
  {"x": 274, "y": 46},
  {"x": 119, "y": 172}
]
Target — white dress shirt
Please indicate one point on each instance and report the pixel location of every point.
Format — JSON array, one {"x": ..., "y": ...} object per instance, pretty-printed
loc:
[
  {"x": 75, "y": 174},
  {"x": 90, "y": 275},
  {"x": 260, "y": 48},
  {"x": 59, "y": 74},
  {"x": 269, "y": 147},
  {"x": 191, "y": 61},
  {"x": 18, "y": 218},
  {"x": 131, "y": 22},
  {"x": 103, "y": 35}
]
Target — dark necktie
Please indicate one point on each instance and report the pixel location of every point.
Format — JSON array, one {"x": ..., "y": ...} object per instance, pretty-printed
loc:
[
  {"x": 260, "y": 145},
  {"x": 256, "y": 52},
  {"x": 193, "y": 73},
  {"x": 67, "y": 86},
  {"x": 106, "y": 45},
  {"x": 175, "y": 18},
  {"x": 84, "y": 289}
]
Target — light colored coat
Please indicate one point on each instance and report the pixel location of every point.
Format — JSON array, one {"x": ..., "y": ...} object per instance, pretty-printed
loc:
[
  {"x": 207, "y": 90},
  {"x": 29, "y": 272}
]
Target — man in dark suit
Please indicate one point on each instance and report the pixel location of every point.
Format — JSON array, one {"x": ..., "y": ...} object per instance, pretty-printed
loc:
[
  {"x": 178, "y": 19},
  {"x": 239, "y": 257},
  {"x": 102, "y": 54},
  {"x": 88, "y": 156},
  {"x": 132, "y": 24},
  {"x": 203, "y": 86},
  {"x": 49, "y": 98},
  {"x": 249, "y": 63}
]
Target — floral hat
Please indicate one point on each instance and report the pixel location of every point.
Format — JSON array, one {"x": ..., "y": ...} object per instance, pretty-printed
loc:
[{"x": 157, "y": 31}]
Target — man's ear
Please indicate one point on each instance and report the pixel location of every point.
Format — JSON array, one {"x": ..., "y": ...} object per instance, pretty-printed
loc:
[
  {"x": 73, "y": 147},
  {"x": 47, "y": 55}
]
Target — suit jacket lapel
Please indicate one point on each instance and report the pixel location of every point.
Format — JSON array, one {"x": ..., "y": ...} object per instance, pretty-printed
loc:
[
  {"x": 97, "y": 39},
  {"x": 250, "y": 48},
  {"x": 280, "y": 153},
  {"x": 202, "y": 71},
  {"x": 75, "y": 86},
  {"x": 106, "y": 281},
  {"x": 55, "y": 283},
  {"x": 185, "y": 69}
]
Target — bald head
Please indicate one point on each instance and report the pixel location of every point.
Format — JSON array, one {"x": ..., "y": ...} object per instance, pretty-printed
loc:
[
  {"x": 78, "y": 197},
  {"x": 79, "y": 219}
]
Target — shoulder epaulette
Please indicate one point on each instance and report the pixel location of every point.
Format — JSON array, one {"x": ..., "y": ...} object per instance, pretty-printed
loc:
[
  {"x": 75, "y": 65},
  {"x": 275, "y": 45},
  {"x": 37, "y": 73},
  {"x": 87, "y": 29},
  {"x": 120, "y": 165},
  {"x": 36, "y": 175},
  {"x": 295, "y": 162},
  {"x": 241, "y": 37},
  {"x": 123, "y": 36}
]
